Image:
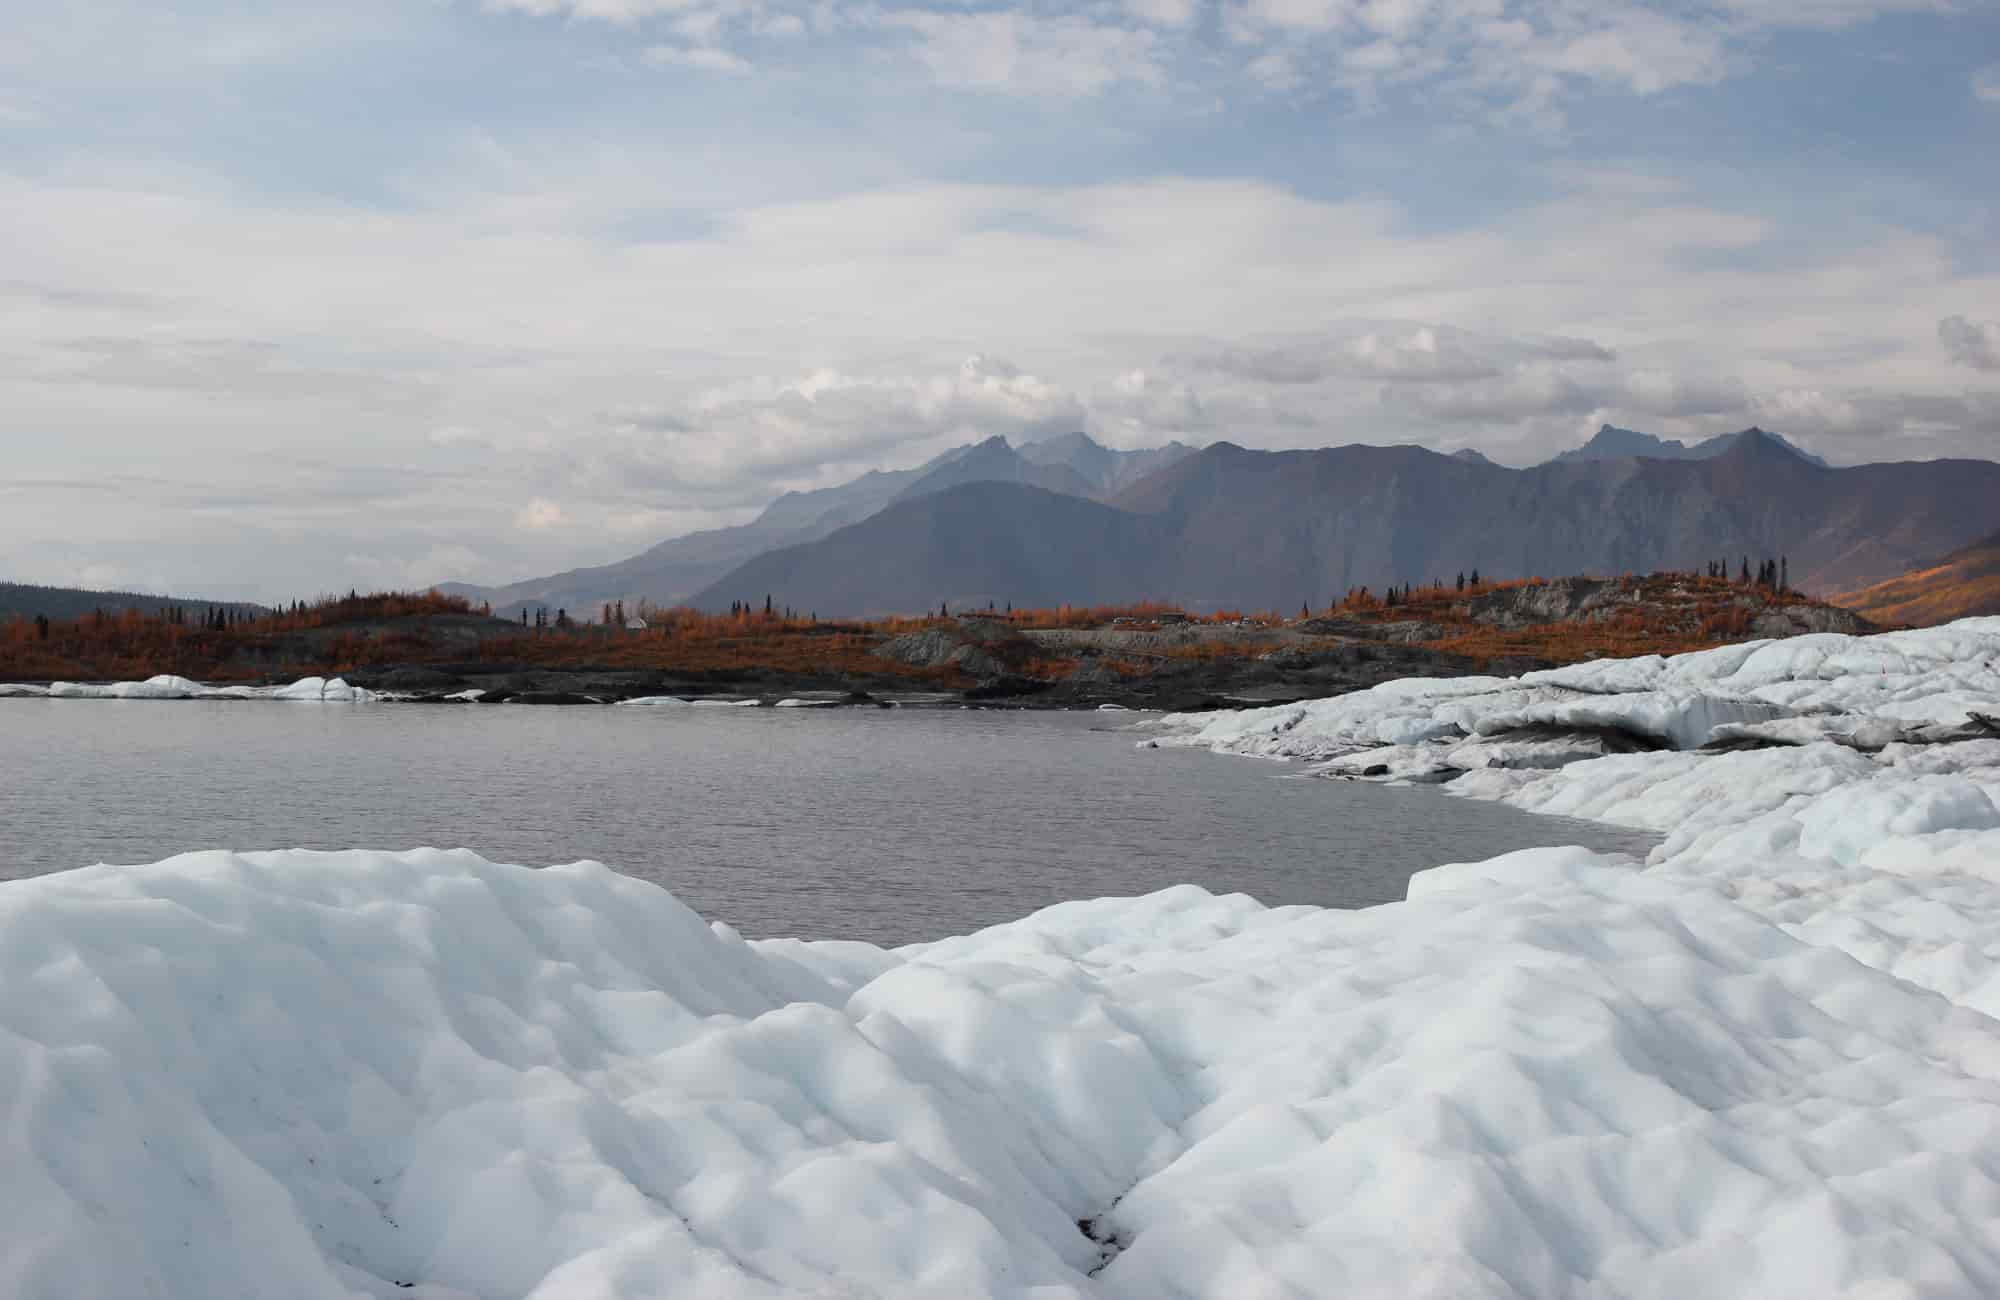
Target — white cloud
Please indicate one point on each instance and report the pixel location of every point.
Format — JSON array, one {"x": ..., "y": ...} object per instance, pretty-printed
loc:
[
  {"x": 745, "y": 435},
  {"x": 706, "y": 58},
  {"x": 406, "y": 380},
  {"x": 1276, "y": 71},
  {"x": 1395, "y": 352},
  {"x": 1162, "y": 13},
  {"x": 1640, "y": 51},
  {"x": 1524, "y": 57},
  {"x": 610, "y": 11},
  {"x": 1971, "y": 343},
  {"x": 1015, "y": 52},
  {"x": 1394, "y": 18},
  {"x": 457, "y": 435},
  {"x": 784, "y": 26},
  {"x": 538, "y": 515},
  {"x": 1299, "y": 15},
  {"x": 111, "y": 577}
]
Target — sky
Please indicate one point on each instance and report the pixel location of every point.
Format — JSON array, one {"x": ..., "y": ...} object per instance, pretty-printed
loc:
[{"x": 297, "y": 297}]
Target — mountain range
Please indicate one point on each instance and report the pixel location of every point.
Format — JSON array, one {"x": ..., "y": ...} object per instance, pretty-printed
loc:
[
  {"x": 1229, "y": 527},
  {"x": 673, "y": 571},
  {"x": 1613, "y": 443},
  {"x": 26, "y": 600}
]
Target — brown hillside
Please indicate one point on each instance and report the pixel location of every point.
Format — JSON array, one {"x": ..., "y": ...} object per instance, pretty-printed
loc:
[{"x": 1964, "y": 584}]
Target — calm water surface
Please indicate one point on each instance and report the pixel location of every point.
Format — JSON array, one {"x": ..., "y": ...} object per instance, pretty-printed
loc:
[{"x": 886, "y": 825}]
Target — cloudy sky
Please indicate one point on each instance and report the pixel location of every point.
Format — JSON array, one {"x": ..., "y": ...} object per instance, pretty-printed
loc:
[{"x": 296, "y": 297}]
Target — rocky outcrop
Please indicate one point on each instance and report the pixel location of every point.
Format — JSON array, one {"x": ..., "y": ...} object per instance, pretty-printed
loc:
[
  {"x": 982, "y": 658},
  {"x": 1659, "y": 601},
  {"x": 931, "y": 648}
]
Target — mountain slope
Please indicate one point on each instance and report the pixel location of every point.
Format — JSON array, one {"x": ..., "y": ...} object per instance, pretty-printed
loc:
[
  {"x": 1073, "y": 464},
  {"x": 1613, "y": 443},
  {"x": 965, "y": 546},
  {"x": 1964, "y": 584},
  {"x": 1105, "y": 469},
  {"x": 1322, "y": 521},
  {"x": 1229, "y": 527},
  {"x": 994, "y": 461},
  {"x": 25, "y": 600},
  {"x": 669, "y": 572}
]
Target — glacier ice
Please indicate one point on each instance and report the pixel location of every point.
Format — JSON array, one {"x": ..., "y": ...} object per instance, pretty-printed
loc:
[
  {"x": 333, "y": 690},
  {"x": 1763, "y": 1062},
  {"x": 1800, "y": 748},
  {"x": 329, "y": 690},
  {"x": 1549, "y": 1074}
]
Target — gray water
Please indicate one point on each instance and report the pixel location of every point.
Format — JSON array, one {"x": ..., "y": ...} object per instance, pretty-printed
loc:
[{"x": 886, "y": 825}]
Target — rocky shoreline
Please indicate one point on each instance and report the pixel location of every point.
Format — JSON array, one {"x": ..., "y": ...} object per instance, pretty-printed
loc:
[
  {"x": 1295, "y": 672},
  {"x": 1165, "y": 662}
]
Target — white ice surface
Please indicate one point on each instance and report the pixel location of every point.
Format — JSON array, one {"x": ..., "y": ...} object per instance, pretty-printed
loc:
[
  {"x": 329, "y": 690},
  {"x": 165, "y": 687},
  {"x": 1549, "y": 1074},
  {"x": 1763, "y": 1065},
  {"x": 1841, "y": 776},
  {"x": 1933, "y": 675}
]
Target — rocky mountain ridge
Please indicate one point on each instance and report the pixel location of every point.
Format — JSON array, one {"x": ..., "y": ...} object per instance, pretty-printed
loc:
[{"x": 1233, "y": 528}]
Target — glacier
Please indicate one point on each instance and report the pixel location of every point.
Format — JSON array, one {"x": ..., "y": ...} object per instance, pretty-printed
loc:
[
  {"x": 1765, "y": 1061},
  {"x": 331, "y": 690}
]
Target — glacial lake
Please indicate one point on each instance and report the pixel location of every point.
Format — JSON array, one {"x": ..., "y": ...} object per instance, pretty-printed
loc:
[{"x": 886, "y": 825}]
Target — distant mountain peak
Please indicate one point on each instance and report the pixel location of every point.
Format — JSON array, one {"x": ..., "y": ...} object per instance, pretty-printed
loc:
[
  {"x": 1761, "y": 440},
  {"x": 1613, "y": 443},
  {"x": 1076, "y": 440},
  {"x": 1105, "y": 469}
]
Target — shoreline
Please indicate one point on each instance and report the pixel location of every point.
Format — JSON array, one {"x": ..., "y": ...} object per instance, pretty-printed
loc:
[{"x": 1197, "y": 686}]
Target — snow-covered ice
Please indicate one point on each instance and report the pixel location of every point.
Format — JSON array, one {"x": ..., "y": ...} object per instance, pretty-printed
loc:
[
  {"x": 1764, "y": 1063},
  {"x": 1549, "y": 1074},
  {"x": 166, "y": 687},
  {"x": 1817, "y": 744},
  {"x": 328, "y": 690}
]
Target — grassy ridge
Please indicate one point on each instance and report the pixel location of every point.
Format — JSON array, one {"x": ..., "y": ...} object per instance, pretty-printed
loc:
[
  {"x": 1964, "y": 584},
  {"x": 1659, "y": 613}
]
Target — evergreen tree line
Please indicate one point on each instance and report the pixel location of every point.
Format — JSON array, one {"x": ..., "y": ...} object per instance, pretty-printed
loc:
[{"x": 1773, "y": 574}]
